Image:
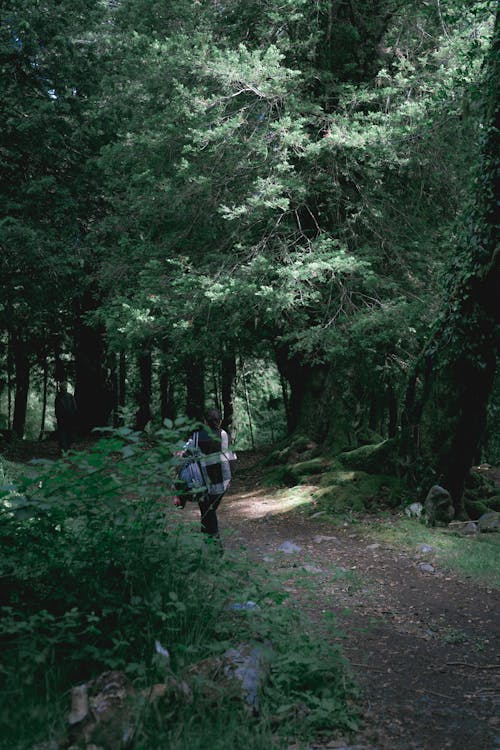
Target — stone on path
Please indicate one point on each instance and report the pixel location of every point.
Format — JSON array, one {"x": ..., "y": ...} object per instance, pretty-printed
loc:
[
  {"x": 426, "y": 567},
  {"x": 320, "y": 538},
  {"x": 289, "y": 548}
]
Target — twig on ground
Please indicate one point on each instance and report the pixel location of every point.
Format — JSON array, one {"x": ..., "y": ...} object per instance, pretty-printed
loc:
[{"x": 472, "y": 666}]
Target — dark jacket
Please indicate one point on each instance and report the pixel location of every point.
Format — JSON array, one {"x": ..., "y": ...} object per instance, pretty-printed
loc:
[{"x": 210, "y": 443}]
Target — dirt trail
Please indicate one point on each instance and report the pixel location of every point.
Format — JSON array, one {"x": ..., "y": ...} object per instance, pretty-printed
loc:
[{"x": 424, "y": 647}]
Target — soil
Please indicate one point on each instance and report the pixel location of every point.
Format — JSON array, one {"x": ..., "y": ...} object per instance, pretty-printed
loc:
[{"x": 423, "y": 646}]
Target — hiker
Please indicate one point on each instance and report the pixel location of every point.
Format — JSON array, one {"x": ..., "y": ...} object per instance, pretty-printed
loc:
[
  {"x": 66, "y": 411},
  {"x": 214, "y": 443}
]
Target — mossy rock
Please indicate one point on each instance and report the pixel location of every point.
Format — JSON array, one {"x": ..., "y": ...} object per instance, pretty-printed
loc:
[
  {"x": 494, "y": 503},
  {"x": 281, "y": 476},
  {"x": 378, "y": 458},
  {"x": 293, "y": 474},
  {"x": 338, "y": 475},
  {"x": 300, "y": 447},
  {"x": 312, "y": 466},
  {"x": 367, "y": 436},
  {"x": 357, "y": 491},
  {"x": 339, "y": 499},
  {"x": 477, "y": 508}
]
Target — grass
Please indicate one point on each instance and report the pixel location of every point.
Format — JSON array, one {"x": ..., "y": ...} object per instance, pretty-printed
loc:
[{"x": 470, "y": 557}]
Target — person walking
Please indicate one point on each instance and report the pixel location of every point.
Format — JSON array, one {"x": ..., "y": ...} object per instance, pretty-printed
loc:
[{"x": 213, "y": 442}]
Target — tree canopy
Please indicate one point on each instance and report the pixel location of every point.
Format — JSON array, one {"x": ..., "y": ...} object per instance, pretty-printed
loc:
[{"x": 192, "y": 187}]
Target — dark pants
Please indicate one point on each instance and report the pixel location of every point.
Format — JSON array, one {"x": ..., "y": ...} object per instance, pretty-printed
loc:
[{"x": 208, "y": 507}]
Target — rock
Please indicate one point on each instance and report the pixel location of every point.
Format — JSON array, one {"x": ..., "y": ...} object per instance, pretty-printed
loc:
[
  {"x": 373, "y": 546},
  {"x": 425, "y": 548},
  {"x": 238, "y": 607},
  {"x": 79, "y": 704},
  {"x": 426, "y": 567},
  {"x": 414, "y": 510},
  {"x": 379, "y": 458},
  {"x": 100, "y": 711},
  {"x": 489, "y": 522},
  {"x": 470, "y": 529},
  {"x": 320, "y": 538},
  {"x": 246, "y": 664},
  {"x": 438, "y": 506},
  {"x": 289, "y": 548},
  {"x": 311, "y": 568}
]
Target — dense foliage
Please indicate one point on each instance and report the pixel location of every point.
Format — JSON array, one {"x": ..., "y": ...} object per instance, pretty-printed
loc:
[
  {"x": 194, "y": 192},
  {"x": 96, "y": 570}
]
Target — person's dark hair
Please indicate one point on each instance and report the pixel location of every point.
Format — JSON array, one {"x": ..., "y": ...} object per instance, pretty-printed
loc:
[{"x": 213, "y": 418}]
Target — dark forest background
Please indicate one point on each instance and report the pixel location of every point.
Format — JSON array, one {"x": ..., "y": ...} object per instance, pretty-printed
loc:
[{"x": 283, "y": 208}]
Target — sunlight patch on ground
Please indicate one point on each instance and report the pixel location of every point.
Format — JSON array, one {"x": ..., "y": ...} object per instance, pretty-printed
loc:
[{"x": 262, "y": 502}]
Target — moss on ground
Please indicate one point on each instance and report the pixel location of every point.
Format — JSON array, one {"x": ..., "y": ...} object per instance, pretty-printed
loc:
[
  {"x": 378, "y": 458},
  {"x": 293, "y": 474},
  {"x": 357, "y": 491}
]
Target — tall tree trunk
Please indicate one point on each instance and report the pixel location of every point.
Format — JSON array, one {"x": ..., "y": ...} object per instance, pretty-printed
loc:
[
  {"x": 115, "y": 390},
  {"x": 392, "y": 429},
  {"x": 143, "y": 414},
  {"x": 22, "y": 380},
  {"x": 215, "y": 384},
  {"x": 228, "y": 380},
  {"x": 167, "y": 403},
  {"x": 296, "y": 375},
  {"x": 449, "y": 392},
  {"x": 122, "y": 380},
  {"x": 92, "y": 389},
  {"x": 10, "y": 378},
  {"x": 44, "y": 396},
  {"x": 194, "y": 368},
  {"x": 248, "y": 408}
]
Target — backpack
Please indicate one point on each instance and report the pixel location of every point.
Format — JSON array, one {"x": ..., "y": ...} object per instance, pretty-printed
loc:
[{"x": 192, "y": 471}]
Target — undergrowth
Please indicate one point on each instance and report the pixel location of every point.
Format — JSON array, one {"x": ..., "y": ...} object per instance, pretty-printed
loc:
[{"x": 95, "y": 570}]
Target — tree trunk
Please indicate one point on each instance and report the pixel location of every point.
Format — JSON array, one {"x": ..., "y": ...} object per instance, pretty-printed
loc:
[
  {"x": 448, "y": 395},
  {"x": 167, "y": 402},
  {"x": 295, "y": 374},
  {"x": 122, "y": 380},
  {"x": 115, "y": 394},
  {"x": 228, "y": 381},
  {"x": 145, "y": 364},
  {"x": 392, "y": 428},
  {"x": 248, "y": 408},
  {"x": 194, "y": 368},
  {"x": 22, "y": 381},
  {"x": 10, "y": 378},
  {"x": 92, "y": 389},
  {"x": 44, "y": 396},
  {"x": 143, "y": 414}
]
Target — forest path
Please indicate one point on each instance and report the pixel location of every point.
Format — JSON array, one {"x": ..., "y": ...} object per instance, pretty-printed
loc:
[{"x": 424, "y": 647}]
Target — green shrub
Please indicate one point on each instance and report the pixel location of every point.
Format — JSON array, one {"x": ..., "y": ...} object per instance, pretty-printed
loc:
[{"x": 95, "y": 570}]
